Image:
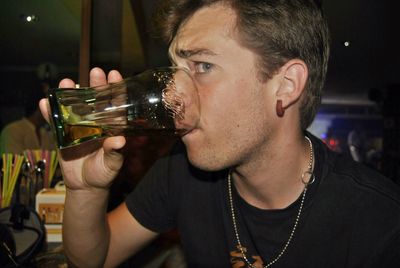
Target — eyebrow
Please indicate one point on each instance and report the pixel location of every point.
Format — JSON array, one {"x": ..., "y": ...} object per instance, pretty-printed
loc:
[{"x": 187, "y": 53}]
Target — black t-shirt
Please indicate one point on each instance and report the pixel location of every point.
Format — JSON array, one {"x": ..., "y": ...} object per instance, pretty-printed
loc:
[{"x": 351, "y": 216}]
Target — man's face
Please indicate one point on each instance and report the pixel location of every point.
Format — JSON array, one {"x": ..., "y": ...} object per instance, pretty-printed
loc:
[{"x": 235, "y": 104}]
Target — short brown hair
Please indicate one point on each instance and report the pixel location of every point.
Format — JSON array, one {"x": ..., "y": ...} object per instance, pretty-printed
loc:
[{"x": 276, "y": 30}]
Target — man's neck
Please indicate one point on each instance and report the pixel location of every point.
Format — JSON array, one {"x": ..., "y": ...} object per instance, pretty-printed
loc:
[{"x": 274, "y": 180}]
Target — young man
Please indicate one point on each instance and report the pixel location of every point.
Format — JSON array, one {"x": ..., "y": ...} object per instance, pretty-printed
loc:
[{"x": 250, "y": 188}]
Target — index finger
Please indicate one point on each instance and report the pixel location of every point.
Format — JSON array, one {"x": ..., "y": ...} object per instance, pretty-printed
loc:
[{"x": 43, "y": 104}]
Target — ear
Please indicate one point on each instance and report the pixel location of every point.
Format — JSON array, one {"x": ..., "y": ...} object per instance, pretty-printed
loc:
[{"x": 294, "y": 76}]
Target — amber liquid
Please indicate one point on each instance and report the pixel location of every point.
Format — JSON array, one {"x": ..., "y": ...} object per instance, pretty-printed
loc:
[{"x": 76, "y": 134}]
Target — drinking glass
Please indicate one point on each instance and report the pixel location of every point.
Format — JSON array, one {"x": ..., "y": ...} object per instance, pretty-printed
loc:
[{"x": 160, "y": 100}]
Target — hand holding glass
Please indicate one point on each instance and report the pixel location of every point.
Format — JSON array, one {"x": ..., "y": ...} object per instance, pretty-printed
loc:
[{"x": 159, "y": 100}]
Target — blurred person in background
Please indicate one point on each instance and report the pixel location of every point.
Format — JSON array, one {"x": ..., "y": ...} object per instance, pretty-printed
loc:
[
  {"x": 358, "y": 144},
  {"x": 30, "y": 132}
]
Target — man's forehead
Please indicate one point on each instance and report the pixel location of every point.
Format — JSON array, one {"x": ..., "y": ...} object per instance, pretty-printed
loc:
[
  {"x": 202, "y": 32},
  {"x": 187, "y": 49}
]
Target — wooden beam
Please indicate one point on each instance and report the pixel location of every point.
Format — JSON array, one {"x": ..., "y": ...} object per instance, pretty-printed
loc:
[
  {"x": 84, "y": 53},
  {"x": 141, "y": 24}
]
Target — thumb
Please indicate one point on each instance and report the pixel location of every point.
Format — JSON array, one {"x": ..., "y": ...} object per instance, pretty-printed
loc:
[{"x": 112, "y": 158}]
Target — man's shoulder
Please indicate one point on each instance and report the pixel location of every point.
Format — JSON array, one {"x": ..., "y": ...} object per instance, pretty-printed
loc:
[
  {"x": 341, "y": 172},
  {"x": 365, "y": 184},
  {"x": 361, "y": 200}
]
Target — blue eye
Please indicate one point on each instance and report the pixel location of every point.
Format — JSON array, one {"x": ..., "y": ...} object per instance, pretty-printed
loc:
[{"x": 203, "y": 67}]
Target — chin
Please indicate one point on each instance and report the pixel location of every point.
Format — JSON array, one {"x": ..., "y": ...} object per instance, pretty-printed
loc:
[
  {"x": 201, "y": 153},
  {"x": 203, "y": 161}
]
